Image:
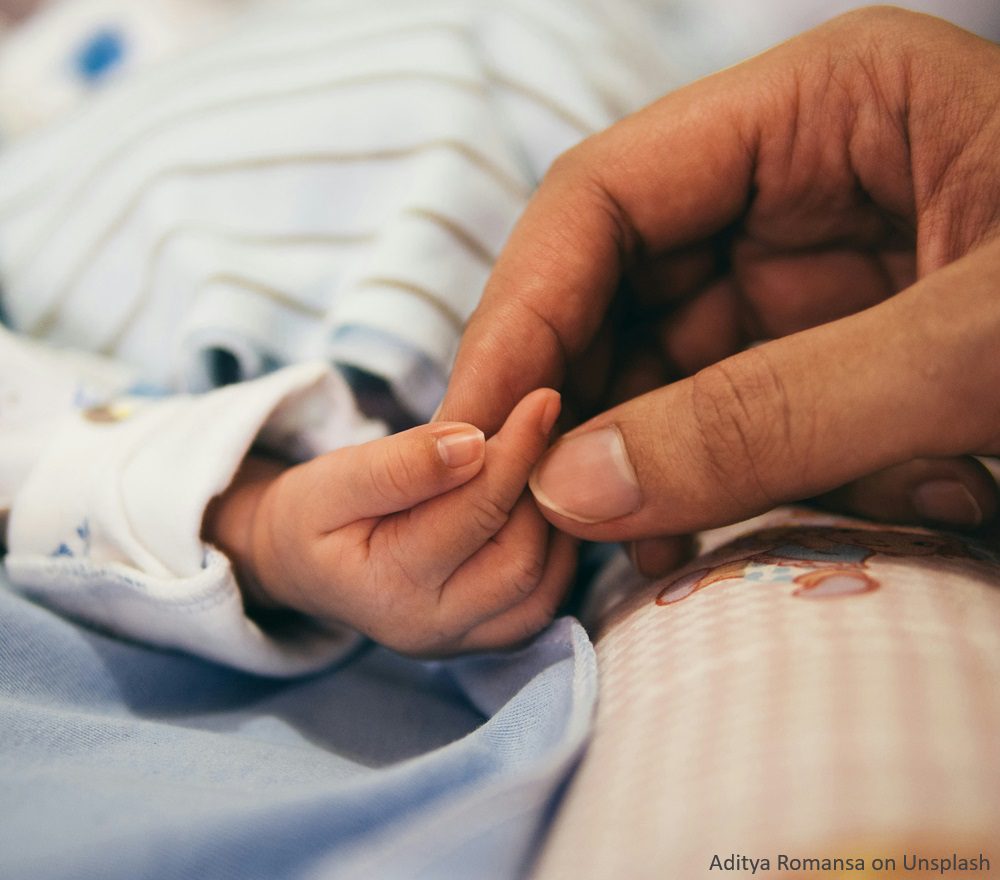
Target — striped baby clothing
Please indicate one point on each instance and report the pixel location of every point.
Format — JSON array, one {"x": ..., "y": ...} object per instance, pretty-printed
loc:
[
  {"x": 324, "y": 179},
  {"x": 322, "y": 183}
]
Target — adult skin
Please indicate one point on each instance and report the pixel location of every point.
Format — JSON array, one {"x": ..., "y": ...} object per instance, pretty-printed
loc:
[
  {"x": 839, "y": 197},
  {"x": 15, "y": 10}
]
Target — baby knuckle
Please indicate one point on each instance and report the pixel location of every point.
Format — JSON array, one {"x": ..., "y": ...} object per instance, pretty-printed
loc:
[
  {"x": 441, "y": 640},
  {"x": 434, "y": 632},
  {"x": 539, "y": 618},
  {"x": 524, "y": 572},
  {"x": 406, "y": 646},
  {"x": 392, "y": 476},
  {"x": 418, "y": 648},
  {"x": 487, "y": 515},
  {"x": 390, "y": 631},
  {"x": 412, "y": 640},
  {"x": 388, "y": 560}
]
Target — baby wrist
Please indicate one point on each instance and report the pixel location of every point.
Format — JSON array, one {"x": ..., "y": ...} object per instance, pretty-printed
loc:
[{"x": 234, "y": 523}]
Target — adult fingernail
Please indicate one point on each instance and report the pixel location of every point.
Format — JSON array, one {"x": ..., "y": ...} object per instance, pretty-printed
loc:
[
  {"x": 947, "y": 501},
  {"x": 461, "y": 447},
  {"x": 588, "y": 478}
]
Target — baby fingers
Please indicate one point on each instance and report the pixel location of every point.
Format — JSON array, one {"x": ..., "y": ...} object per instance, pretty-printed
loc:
[
  {"x": 532, "y": 612},
  {"x": 440, "y": 535},
  {"x": 504, "y": 571},
  {"x": 387, "y": 475}
]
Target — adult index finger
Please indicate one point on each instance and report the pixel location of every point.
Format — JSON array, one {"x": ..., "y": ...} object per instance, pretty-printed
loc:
[{"x": 672, "y": 173}]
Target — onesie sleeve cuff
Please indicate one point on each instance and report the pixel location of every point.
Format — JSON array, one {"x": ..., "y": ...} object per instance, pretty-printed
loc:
[{"x": 106, "y": 527}]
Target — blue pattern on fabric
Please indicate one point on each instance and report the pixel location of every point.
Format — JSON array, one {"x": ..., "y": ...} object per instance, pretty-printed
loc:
[{"x": 99, "y": 54}]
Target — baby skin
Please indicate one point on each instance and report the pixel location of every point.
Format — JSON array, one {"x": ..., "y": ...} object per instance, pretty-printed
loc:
[{"x": 424, "y": 541}]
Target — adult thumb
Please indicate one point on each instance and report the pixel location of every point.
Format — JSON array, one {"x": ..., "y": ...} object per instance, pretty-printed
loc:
[{"x": 914, "y": 376}]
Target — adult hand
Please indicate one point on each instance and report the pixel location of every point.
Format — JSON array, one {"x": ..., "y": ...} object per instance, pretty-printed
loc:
[{"x": 838, "y": 196}]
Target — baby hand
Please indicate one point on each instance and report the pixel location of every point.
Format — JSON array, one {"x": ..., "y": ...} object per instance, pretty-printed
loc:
[{"x": 425, "y": 541}]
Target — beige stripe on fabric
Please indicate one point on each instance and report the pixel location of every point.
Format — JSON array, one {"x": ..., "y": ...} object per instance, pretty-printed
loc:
[
  {"x": 279, "y": 297},
  {"x": 48, "y": 319},
  {"x": 91, "y": 182},
  {"x": 491, "y": 76},
  {"x": 145, "y": 288},
  {"x": 179, "y": 77},
  {"x": 432, "y": 298},
  {"x": 458, "y": 232}
]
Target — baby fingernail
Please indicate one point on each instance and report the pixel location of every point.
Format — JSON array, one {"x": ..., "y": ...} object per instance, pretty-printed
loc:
[
  {"x": 461, "y": 447},
  {"x": 588, "y": 478},
  {"x": 550, "y": 414},
  {"x": 947, "y": 501}
]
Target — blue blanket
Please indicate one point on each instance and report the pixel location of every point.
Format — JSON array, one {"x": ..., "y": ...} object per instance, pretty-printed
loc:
[{"x": 117, "y": 761}]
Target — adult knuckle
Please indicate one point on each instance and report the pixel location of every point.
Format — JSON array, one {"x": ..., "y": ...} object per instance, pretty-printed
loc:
[
  {"x": 568, "y": 165},
  {"x": 744, "y": 420},
  {"x": 723, "y": 421},
  {"x": 584, "y": 169},
  {"x": 860, "y": 27},
  {"x": 870, "y": 16}
]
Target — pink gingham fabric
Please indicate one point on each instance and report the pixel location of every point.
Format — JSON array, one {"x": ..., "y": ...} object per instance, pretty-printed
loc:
[{"x": 751, "y": 718}]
